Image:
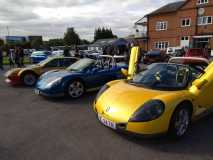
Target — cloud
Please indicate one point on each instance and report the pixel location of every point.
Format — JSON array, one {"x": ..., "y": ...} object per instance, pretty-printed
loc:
[{"x": 50, "y": 18}]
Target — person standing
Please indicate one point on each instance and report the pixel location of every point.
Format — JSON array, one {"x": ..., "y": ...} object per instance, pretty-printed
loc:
[
  {"x": 10, "y": 54},
  {"x": 17, "y": 57},
  {"x": 21, "y": 54},
  {"x": 1, "y": 59},
  {"x": 66, "y": 52}
]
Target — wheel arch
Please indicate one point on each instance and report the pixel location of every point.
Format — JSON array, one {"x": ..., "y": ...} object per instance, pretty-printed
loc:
[
  {"x": 21, "y": 74},
  {"x": 188, "y": 103},
  {"x": 183, "y": 103}
]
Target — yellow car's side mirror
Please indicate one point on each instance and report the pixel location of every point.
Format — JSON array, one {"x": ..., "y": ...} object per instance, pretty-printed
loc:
[
  {"x": 201, "y": 84},
  {"x": 124, "y": 72}
]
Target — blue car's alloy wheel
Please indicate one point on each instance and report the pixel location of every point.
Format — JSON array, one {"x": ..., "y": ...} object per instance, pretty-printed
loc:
[{"x": 75, "y": 89}]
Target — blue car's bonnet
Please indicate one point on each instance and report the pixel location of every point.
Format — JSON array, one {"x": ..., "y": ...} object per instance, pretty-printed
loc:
[{"x": 57, "y": 74}]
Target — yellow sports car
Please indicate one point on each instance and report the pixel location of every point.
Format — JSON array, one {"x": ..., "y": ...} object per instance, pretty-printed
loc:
[
  {"x": 29, "y": 75},
  {"x": 165, "y": 98}
]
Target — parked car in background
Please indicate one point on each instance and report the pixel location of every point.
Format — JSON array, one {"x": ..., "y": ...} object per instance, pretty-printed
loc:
[
  {"x": 172, "y": 50},
  {"x": 84, "y": 75},
  {"x": 39, "y": 56},
  {"x": 93, "y": 54},
  {"x": 197, "y": 52},
  {"x": 175, "y": 52},
  {"x": 155, "y": 56},
  {"x": 201, "y": 63},
  {"x": 29, "y": 75},
  {"x": 58, "y": 53}
]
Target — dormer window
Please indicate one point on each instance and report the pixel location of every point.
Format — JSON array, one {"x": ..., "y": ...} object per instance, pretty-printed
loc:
[{"x": 199, "y": 2}]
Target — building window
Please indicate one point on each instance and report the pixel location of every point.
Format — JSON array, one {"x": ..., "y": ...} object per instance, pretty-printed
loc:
[
  {"x": 186, "y": 22},
  {"x": 161, "y": 26},
  {"x": 161, "y": 45},
  {"x": 204, "y": 20},
  {"x": 185, "y": 38},
  {"x": 199, "y": 2}
]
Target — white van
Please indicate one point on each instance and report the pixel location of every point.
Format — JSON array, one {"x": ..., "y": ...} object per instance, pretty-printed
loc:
[{"x": 172, "y": 50}]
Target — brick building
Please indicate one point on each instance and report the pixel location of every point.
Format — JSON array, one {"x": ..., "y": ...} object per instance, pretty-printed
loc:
[{"x": 183, "y": 23}]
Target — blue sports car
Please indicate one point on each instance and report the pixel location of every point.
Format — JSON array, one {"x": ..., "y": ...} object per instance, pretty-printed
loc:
[
  {"x": 39, "y": 56},
  {"x": 82, "y": 76}
]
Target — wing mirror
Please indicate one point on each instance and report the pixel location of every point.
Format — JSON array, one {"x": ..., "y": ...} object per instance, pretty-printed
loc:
[
  {"x": 94, "y": 70},
  {"x": 124, "y": 72},
  {"x": 201, "y": 84}
]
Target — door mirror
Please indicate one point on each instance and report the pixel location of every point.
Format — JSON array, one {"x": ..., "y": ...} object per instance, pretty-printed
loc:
[
  {"x": 201, "y": 84},
  {"x": 94, "y": 70},
  {"x": 124, "y": 72}
]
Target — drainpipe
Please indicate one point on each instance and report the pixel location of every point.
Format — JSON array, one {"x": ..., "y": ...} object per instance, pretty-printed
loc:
[
  {"x": 147, "y": 36},
  {"x": 196, "y": 25}
]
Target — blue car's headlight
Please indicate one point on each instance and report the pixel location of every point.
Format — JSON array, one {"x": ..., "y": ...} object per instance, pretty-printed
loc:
[
  {"x": 54, "y": 82},
  {"x": 102, "y": 90},
  {"x": 45, "y": 74},
  {"x": 149, "y": 111}
]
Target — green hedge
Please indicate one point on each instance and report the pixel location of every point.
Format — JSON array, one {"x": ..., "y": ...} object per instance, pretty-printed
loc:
[{"x": 6, "y": 60}]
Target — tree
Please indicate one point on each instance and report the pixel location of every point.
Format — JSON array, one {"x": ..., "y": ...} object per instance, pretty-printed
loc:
[
  {"x": 103, "y": 33},
  {"x": 1, "y": 42},
  {"x": 36, "y": 43},
  {"x": 56, "y": 42},
  {"x": 84, "y": 41},
  {"x": 71, "y": 37}
]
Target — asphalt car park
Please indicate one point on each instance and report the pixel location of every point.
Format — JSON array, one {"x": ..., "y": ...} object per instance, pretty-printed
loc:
[{"x": 36, "y": 128}]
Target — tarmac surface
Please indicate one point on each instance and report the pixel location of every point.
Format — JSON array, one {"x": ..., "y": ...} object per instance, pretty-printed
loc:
[{"x": 36, "y": 128}]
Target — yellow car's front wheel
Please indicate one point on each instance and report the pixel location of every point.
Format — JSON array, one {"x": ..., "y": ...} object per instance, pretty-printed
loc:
[{"x": 180, "y": 122}]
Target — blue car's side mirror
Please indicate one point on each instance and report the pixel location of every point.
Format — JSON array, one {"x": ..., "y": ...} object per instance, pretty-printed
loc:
[{"x": 94, "y": 70}]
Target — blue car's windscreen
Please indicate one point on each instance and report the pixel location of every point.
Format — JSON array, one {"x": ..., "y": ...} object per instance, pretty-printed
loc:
[
  {"x": 81, "y": 64},
  {"x": 163, "y": 76}
]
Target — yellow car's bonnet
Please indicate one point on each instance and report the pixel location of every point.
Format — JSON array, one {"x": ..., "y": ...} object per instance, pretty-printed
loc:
[{"x": 124, "y": 99}]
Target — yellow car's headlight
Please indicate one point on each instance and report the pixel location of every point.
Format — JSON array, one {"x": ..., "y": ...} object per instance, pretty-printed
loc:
[{"x": 149, "y": 111}]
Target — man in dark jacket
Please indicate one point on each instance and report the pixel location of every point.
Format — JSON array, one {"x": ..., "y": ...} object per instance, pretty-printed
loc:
[
  {"x": 21, "y": 54},
  {"x": 1, "y": 59},
  {"x": 66, "y": 52}
]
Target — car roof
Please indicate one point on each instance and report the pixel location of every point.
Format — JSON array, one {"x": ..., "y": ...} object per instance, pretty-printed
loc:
[{"x": 189, "y": 61}]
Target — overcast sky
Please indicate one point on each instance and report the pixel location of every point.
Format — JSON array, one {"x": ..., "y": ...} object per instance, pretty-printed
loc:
[{"x": 50, "y": 18}]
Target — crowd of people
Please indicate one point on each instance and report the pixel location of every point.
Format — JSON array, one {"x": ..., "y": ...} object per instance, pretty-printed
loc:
[{"x": 15, "y": 57}]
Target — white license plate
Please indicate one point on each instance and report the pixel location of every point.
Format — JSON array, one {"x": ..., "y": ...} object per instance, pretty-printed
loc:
[
  {"x": 37, "y": 92},
  {"x": 107, "y": 122}
]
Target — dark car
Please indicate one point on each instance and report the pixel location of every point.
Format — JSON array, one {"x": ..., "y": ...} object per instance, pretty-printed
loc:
[
  {"x": 155, "y": 56},
  {"x": 197, "y": 52}
]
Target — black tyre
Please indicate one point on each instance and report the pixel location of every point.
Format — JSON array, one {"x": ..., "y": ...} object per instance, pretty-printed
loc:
[
  {"x": 75, "y": 89},
  {"x": 180, "y": 122},
  {"x": 29, "y": 79}
]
